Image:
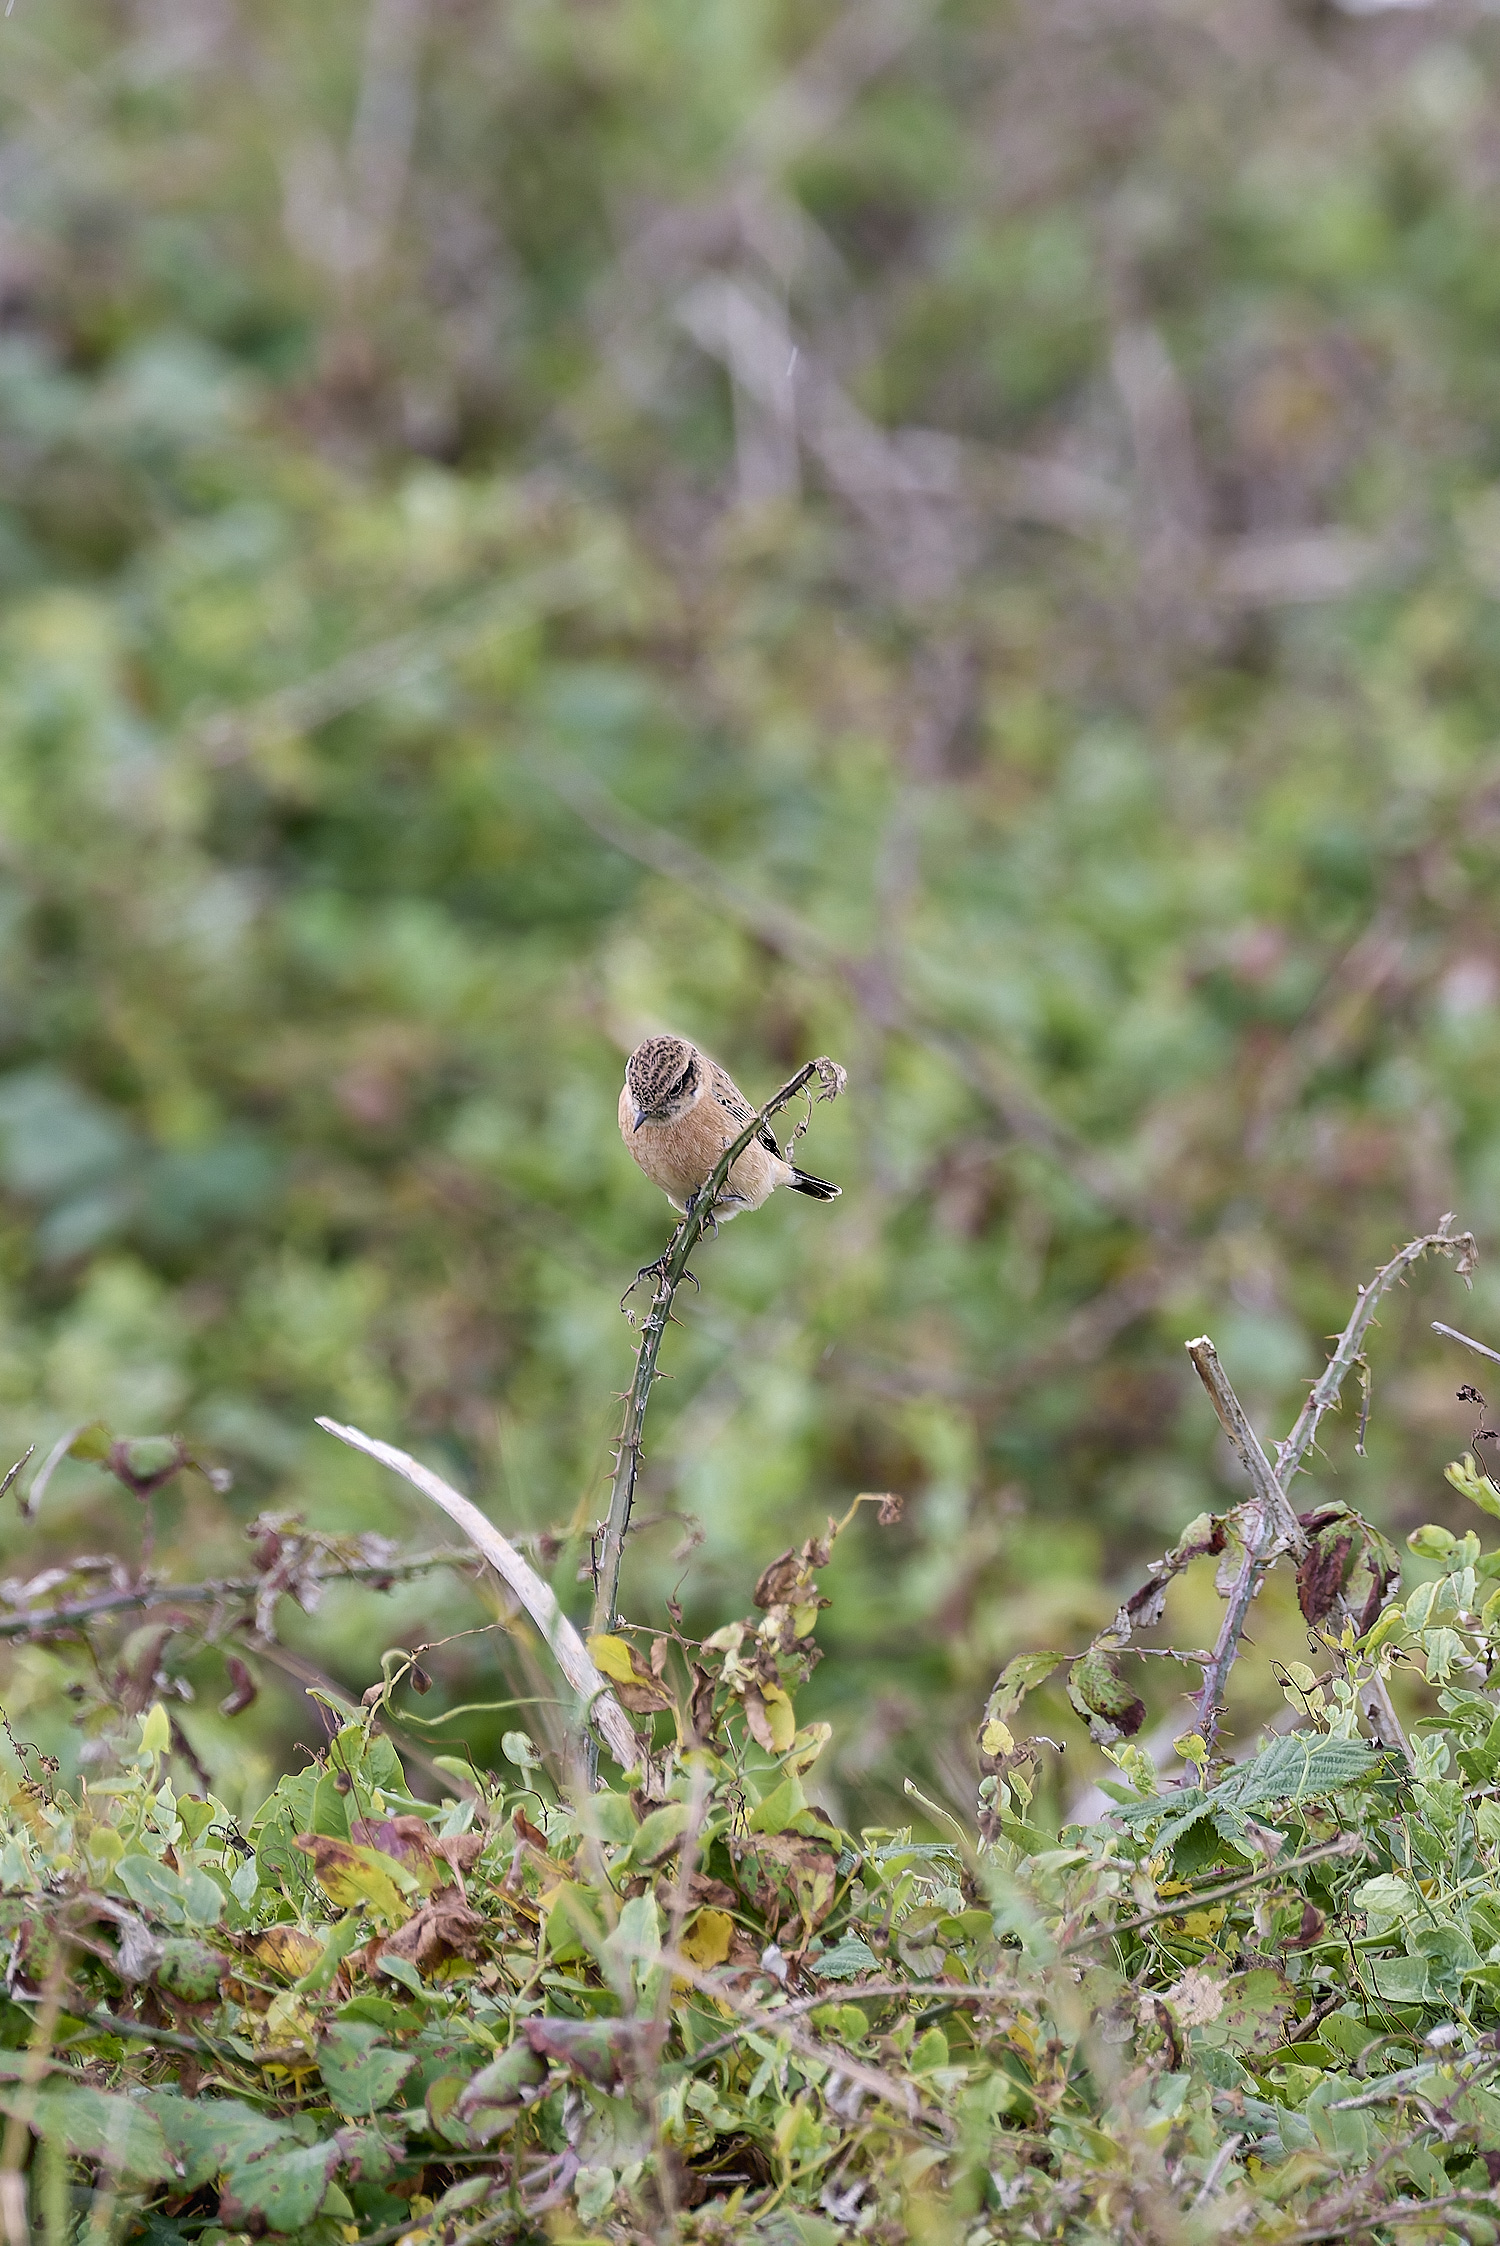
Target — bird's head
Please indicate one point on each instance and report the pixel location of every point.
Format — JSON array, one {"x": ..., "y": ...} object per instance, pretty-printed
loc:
[{"x": 664, "y": 1078}]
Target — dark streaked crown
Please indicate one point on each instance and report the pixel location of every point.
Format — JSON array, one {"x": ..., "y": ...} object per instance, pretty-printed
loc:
[{"x": 661, "y": 1076}]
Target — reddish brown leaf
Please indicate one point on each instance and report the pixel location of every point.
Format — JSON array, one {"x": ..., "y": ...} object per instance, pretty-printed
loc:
[{"x": 779, "y": 1581}]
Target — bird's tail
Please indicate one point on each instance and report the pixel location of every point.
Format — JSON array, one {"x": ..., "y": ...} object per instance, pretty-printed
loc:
[{"x": 816, "y": 1189}]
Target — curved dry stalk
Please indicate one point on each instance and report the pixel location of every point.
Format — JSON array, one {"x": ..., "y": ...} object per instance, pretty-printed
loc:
[{"x": 564, "y": 1643}]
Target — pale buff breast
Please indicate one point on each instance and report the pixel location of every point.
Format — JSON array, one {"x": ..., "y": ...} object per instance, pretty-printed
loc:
[{"x": 678, "y": 1157}]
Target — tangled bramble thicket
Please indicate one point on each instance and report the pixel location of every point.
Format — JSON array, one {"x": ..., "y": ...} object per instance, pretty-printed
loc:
[{"x": 1261, "y": 2003}]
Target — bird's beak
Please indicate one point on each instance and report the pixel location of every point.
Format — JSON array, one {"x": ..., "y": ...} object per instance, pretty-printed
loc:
[{"x": 637, "y": 1118}]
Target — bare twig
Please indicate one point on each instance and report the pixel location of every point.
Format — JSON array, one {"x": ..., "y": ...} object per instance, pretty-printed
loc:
[
  {"x": 757, "y": 2019},
  {"x": 1480, "y": 1349},
  {"x": 567, "y": 1648},
  {"x": 1347, "y": 1844},
  {"x": 52, "y": 1622},
  {"x": 669, "y": 1273},
  {"x": 1354, "y": 2220}
]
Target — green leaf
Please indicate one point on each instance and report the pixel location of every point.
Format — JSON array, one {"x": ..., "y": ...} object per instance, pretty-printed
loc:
[
  {"x": 781, "y": 1809},
  {"x": 1402, "y": 1980},
  {"x": 343, "y": 1940},
  {"x": 1388, "y": 1900},
  {"x": 286, "y": 2185},
  {"x": 1443, "y": 1651},
  {"x": 156, "y": 1887},
  {"x": 94, "y": 2125},
  {"x": 1466, "y": 1478},
  {"x": 574, "y": 1928},
  {"x": 492, "y": 2100},
  {"x": 204, "y": 2136},
  {"x": 401, "y": 1969},
  {"x": 613, "y": 1820},
  {"x": 1300, "y": 1767},
  {"x": 848, "y": 1957},
  {"x": 360, "y": 2075},
  {"x": 1257, "y": 2007},
  {"x": 190, "y": 1969},
  {"x": 658, "y": 1833},
  {"x": 156, "y": 1730}
]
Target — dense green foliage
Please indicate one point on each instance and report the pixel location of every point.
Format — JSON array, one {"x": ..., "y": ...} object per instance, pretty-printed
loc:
[
  {"x": 1261, "y": 2002},
  {"x": 447, "y": 631}
]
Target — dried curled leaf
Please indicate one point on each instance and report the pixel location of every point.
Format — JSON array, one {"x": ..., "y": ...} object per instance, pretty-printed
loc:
[{"x": 1328, "y": 1563}]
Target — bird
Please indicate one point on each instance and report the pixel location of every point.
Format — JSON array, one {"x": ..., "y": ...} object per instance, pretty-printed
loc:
[{"x": 679, "y": 1111}]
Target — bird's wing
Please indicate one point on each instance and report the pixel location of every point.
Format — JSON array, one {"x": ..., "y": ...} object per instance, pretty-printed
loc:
[{"x": 734, "y": 1102}]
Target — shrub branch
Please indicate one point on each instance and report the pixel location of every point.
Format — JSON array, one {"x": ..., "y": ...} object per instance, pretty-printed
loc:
[{"x": 1270, "y": 1520}]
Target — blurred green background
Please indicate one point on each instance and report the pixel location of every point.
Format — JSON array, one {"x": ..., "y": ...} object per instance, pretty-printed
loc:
[{"x": 963, "y": 537}]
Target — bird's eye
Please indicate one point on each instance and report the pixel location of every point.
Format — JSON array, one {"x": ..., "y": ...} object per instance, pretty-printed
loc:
[{"x": 683, "y": 1081}]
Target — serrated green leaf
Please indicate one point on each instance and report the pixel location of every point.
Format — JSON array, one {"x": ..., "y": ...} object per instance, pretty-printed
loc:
[{"x": 1298, "y": 1767}]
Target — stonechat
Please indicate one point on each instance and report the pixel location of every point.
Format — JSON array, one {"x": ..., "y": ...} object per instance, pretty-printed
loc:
[{"x": 678, "y": 1112}]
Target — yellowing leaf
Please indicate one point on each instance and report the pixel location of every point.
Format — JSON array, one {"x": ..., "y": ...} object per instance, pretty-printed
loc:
[
  {"x": 614, "y": 1659},
  {"x": 781, "y": 1717},
  {"x": 350, "y": 1873},
  {"x": 288, "y": 1950},
  {"x": 806, "y": 1747},
  {"x": 707, "y": 1941},
  {"x": 997, "y": 1738}
]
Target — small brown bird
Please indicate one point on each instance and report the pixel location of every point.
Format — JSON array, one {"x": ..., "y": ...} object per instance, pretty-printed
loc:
[{"x": 679, "y": 1111}]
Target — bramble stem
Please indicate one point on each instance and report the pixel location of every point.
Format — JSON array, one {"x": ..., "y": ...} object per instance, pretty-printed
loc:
[
  {"x": 669, "y": 1273},
  {"x": 1271, "y": 1522},
  {"x": 51, "y": 1622}
]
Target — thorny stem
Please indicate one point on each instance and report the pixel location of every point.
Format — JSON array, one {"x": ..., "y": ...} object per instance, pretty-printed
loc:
[
  {"x": 55, "y": 1621},
  {"x": 1271, "y": 1523},
  {"x": 1325, "y": 1393},
  {"x": 1347, "y": 1844},
  {"x": 669, "y": 1274}
]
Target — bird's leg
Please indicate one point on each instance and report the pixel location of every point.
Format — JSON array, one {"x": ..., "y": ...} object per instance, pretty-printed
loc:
[{"x": 710, "y": 1220}]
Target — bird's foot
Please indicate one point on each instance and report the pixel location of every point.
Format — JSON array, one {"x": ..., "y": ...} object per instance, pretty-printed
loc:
[
  {"x": 657, "y": 1270},
  {"x": 647, "y": 1271}
]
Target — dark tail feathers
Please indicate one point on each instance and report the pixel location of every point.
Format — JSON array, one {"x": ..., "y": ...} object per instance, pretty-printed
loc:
[{"x": 816, "y": 1189}]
